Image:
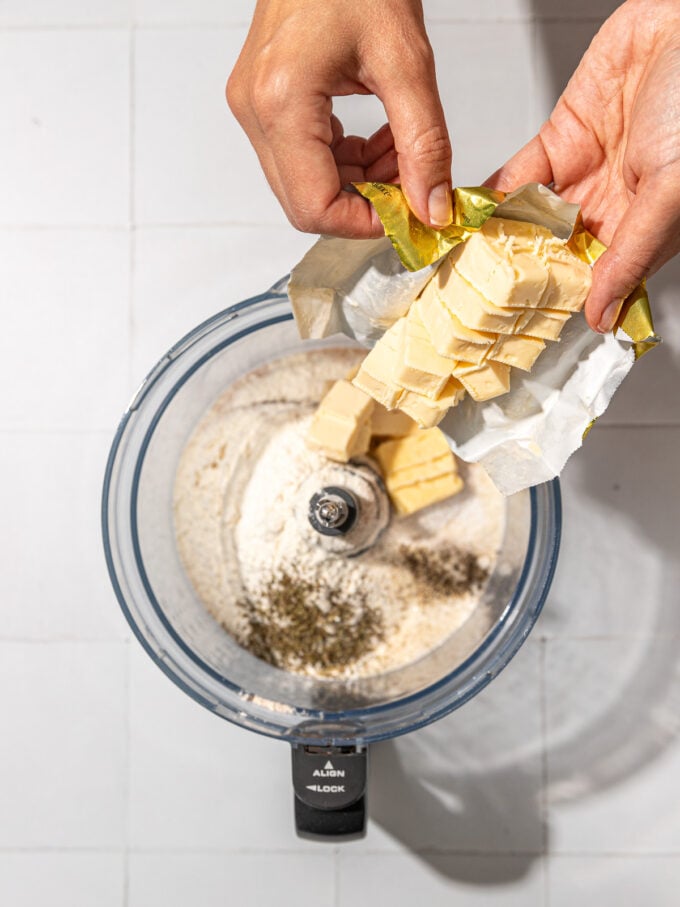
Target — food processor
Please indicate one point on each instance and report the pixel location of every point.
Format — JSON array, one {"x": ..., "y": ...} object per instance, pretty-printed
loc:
[{"x": 329, "y": 723}]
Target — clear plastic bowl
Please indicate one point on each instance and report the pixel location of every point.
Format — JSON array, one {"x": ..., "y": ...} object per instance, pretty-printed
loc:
[{"x": 190, "y": 646}]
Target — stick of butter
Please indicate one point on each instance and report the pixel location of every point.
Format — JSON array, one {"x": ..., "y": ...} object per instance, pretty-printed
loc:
[{"x": 341, "y": 426}]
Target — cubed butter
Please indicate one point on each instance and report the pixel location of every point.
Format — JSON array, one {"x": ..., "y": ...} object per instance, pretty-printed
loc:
[
  {"x": 391, "y": 424},
  {"x": 486, "y": 381},
  {"x": 517, "y": 351},
  {"x": 419, "y": 470},
  {"x": 421, "y": 368},
  {"x": 546, "y": 324},
  {"x": 377, "y": 375},
  {"x": 469, "y": 305},
  {"x": 412, "y": 498},
  {"x": 402, "y": 453},
  {"x": 508, "y": 278},
  {"x": 341, "y": 426},
  {"x": 428, "y": 412},
  {"x": 569, "y": 283},
  {"x": 448, "y": 334}
]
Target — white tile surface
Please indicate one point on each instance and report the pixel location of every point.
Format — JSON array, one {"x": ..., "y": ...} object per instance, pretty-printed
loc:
[
  {"x": 575, "y": 9},
  {"x": 184, "y": 275},
  {"x": 65, "y": 344},
  {"x": 439, "y": 881},
  {"x": 647, "y": 396},
  {"x": 64, "y": 150},
  {"x": 470, "y": 782},
  {"x": 193, "y": 163},
  {"x": 461, "y": 10},
  {"x": 181, "y": 12},
  {"x": 613, "y": 745},
  {"x": 18, "y": 13},
  {"x": 61, "y": 879},
  {"x": 611, "y": 881},
  {"x": 56, "y": 498},
  {"x": 558, "y": 49},
  {"x": 458, "y": 812},
  {"x": 619, "y": 571},
  {"x": 63, "y": 745},
  {"x": 197, "y": 781},
  {"x": 212, "y": 880},
  {"x": 501, "y": 84}
]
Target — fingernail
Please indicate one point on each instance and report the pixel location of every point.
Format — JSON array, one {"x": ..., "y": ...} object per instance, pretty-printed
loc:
[
  {"x": 609, "y": 316},
  {"x": 439, "y": 206}
]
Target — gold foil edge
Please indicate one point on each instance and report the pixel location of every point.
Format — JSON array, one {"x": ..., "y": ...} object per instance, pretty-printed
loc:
[{"x": 419, "y": 245}]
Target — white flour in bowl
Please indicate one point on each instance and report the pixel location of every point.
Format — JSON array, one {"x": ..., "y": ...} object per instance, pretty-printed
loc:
[{"x": 294, "y": 597}]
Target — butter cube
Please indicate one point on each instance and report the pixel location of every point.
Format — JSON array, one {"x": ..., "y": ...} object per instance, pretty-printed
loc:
[
  {"x": 486, "y": 381},
  {"x": 509, "y": 278},
  {"x": 377, "y": 375},
  {"x": 545, "y": 324},
  {"x": 516, "y": 350},
  {"x": 402, "y": 453},
  {"x": 428, "y": 412},
  {"x": 419, "y": 470},
  {"x": 469, "y": 305},
  {"x": 391, "y": 424},
  {"x": 341, "y": 426},
  {"x": 569, "y": 278},
  {"x": 415, "y": 497},
  {"x": 448, "y": 334},
  {"x": 420, "y": 368},
  {"x": 569, "y": 281},
  {"x": 345, "y": 399}
]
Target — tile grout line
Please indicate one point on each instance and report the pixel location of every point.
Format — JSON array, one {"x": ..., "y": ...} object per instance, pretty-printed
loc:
[
  {"x": 131, "y": 205},
  {"x": 126, "y": 778},
  {"x": 544, "y": 811},
  {"x": 206, "y": 24},
  {"x": 127, "y": 782}
]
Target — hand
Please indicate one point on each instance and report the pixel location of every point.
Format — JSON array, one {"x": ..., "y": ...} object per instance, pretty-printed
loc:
[
  {"x": 612, "y": 144},
  {"x": 298, "y": 55}
]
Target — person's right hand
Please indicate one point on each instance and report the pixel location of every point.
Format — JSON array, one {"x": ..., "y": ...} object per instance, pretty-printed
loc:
[
  {"x": 298, "y": 55},
  {"x": 612, "y": 144}
]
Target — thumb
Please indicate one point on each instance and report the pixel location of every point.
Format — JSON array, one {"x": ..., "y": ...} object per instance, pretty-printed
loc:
[
  {"x": 647, "y": 236},
  {"x": 421, "y": 139}
]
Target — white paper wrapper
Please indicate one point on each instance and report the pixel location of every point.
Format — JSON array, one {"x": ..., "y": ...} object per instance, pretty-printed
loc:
[{"x": 523, "y": 438}]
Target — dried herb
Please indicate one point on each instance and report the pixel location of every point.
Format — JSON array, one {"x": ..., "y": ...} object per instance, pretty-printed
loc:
[
  {"x": 294, "y": 622},
  {"x": 445, "y": 571}
]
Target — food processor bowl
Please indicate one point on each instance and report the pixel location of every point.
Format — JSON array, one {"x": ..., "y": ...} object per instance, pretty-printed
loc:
[{"x": 326, "y": 720}]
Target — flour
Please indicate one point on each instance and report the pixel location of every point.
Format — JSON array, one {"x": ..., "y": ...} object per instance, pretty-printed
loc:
[{"x": 242, "y": 492}]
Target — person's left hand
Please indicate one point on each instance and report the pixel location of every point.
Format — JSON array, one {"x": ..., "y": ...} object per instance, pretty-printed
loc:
[{"x": 612, "y": 144}]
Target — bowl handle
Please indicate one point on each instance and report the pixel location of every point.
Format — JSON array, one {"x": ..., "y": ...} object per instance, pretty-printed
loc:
[{"x": 330, "y": 791}]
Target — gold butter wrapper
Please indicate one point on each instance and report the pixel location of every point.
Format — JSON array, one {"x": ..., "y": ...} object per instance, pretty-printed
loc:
[{"x": 419, "y": 245}]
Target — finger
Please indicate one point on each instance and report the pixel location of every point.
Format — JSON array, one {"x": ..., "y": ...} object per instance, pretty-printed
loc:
[
  {"x": 647, "y": 236},
  {"x": 530, "y": 165},
  {"x": 295, "y": 148},
  {"x": 421, "y": 138},
  {"x": 385, "y": 169}
]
